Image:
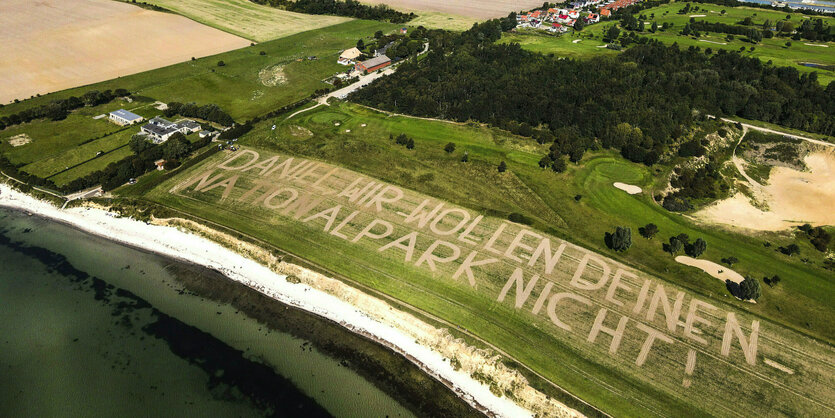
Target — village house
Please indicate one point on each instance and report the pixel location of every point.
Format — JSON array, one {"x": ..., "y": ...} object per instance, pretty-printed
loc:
[
  {"x": 592, "y": 18},
  {"x": 348, "y": 56},
  {"x": 124, "y": 117},
  {"x": 605, "y": 12},
  {"x": 573, "y": 14},
  {"x": 374, "y": 64}
]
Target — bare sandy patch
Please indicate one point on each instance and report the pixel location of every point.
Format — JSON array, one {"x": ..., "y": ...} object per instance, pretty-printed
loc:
[
  {"x": 820, "y": 45},
  {"x": 576, "y": 41},
  {"x": 792, "y": 197},
  {"x": 713, "y": 42},
  {"x": 628, "y": 188},
  {"x": 272, "y": 76},
  {"x": 716, "y": 270},
  {"x": 698, "y": 15},
  {"x": 482, "y": 9},
  {"x": 51, "y": 45},
  {"x": 19, "y": 140},
  {"x": 300, "y": 131}
]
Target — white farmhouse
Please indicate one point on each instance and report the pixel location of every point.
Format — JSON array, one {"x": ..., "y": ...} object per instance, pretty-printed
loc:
[{"x": 124, "y": 117}]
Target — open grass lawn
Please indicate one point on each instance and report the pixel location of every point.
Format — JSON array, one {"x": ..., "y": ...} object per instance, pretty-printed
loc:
[
  {"x": 774, "y": 49},
  {"x": 611, "y": 381},
  {"x": 50, "y": 139},
  {"x": 247, "y": 19}
]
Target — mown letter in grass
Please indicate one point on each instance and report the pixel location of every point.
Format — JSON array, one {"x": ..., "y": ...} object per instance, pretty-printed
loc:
[
  {"x": 552, "y": 307},
  {"x": 367, "y": 231},
  {"x": 227, "y": 165},
  {"x": 434, "y": 226},
  {"x": 693, "y": 317},
  {"x": 598, "y": 327},
  {"x": 468, "y": 264},
  {"x": 671, "y": 313},
  {"x": 544, "y": 250},
  {"x": 749, "y": 347},
  {"x": 652, "y": 335},
  {"x": 616, "y": 284},
  {"x": 271, "y": 202},
  {"x": 401, "y": 243},
  {"x": 430, "y": 258},
  {"x": 517, "y": 243},
  {"x": 522, "y": 292},
  {"x": 580, "y": 283}
]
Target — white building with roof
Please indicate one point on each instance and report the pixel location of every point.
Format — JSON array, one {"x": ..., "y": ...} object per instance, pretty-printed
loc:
[{"x": 124, "y": 117}]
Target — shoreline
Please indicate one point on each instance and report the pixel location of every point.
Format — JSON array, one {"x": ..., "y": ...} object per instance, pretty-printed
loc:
[{"x": 191, "y": 248}]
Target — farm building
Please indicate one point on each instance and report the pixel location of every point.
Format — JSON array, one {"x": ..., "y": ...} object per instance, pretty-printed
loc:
[
  {"x": 373, "y": 64},
  {"x": 348, "y": 56},
  {"x": 159, "y": 129},
  {"x": 124, "y": 117}
]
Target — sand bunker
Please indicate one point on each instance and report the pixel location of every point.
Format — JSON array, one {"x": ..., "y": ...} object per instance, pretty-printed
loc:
[
  {"x": 716, "y": 270},
  {"x": 698, "y": 15},
  {"x": 820, "y": 45},
  {"x": 576, "y": 41},
  {"x": 628, "y": 188},
  {"x": 51, "y": 45},
  {"x": 272, "y": 76},
  {"x": 713, "y": 42},
  {"x": 19, "y": 140},
  {"x": 792, "y": 197}
]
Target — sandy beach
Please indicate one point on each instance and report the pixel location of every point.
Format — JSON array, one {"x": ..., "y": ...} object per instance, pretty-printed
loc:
[{"x": 177, "y": 243}]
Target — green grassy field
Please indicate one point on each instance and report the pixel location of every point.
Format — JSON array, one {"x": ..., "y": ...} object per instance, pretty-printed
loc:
[
  {"x": 612, "y": 382},
  {"x": 238, "y": 87},
  {"x": 246, "y": 19},
  {"x": 773, "y": 49}
]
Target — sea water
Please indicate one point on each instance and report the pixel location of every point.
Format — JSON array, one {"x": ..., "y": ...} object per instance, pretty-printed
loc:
[{"x": 89, "y": 327}]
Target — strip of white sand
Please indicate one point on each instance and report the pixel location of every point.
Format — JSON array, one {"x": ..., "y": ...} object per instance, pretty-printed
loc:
[
  {"x": 716, "y": 270},
  {"x": 698, "y": 15},
  {"x": 713, "y": 42},
  {"x": 628, "y": 188},
  {"x": 575, "y": 41},
  {"x": 186, "y": 246},
  {"x": 820, "y": 45}
]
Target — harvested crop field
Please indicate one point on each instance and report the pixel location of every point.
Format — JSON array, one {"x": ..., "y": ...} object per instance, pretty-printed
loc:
[
  {"x": 52, "y": 45},
  {"x": 247, "y": 19},
  {"x": 482, "y": 9}
]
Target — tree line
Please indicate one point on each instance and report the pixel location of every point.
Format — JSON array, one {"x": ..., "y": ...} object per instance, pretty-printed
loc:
[
  {"x": 209, "y": 112},
  {"x": 639, "y": 102},
  {"x": 59, "y": 109},
  {"x": 349, "y": 8}
]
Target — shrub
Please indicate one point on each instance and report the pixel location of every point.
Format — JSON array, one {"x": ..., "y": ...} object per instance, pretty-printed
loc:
[
  {"x": 730, "y": 261},
  {"x": 502, "y": 167},
  {"x": 519, "y": 218},
  {"x": 620, "y": 240},
  {"x": 449, "y": 148},
  {"x": 648, "y": 231},
  {"x": 697, "y": 248},
  {"x": 221, "y": 63},
  {"x": 749, "y": 289}
]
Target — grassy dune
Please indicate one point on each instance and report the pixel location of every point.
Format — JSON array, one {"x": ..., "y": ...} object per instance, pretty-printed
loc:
[
  {"x": 246, "y": 19},
  {"x": 773, "y": 49},
  {"x": 610, "y": 380}
]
